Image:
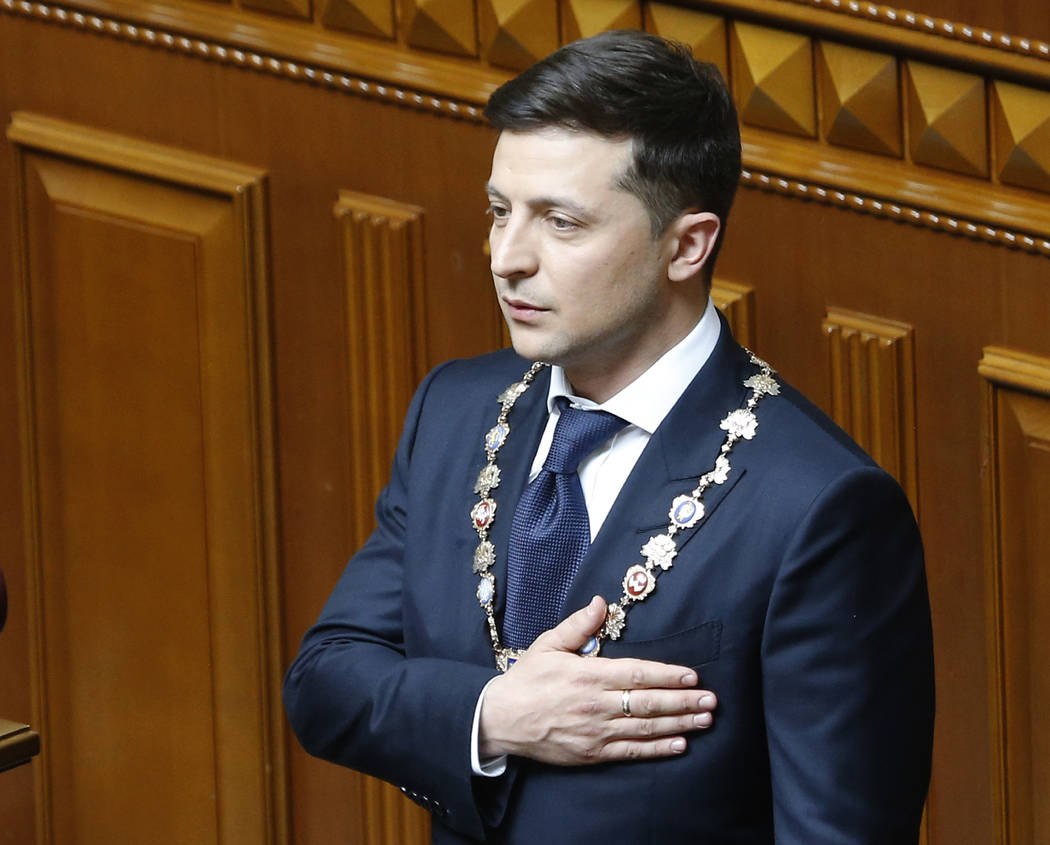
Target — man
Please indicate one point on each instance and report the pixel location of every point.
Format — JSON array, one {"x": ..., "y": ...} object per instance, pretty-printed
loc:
[{"x": 528, "y": 532}]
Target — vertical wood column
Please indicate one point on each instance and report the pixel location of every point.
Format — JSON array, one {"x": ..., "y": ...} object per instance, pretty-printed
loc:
[
  {"x": 873, "y": 390},
  {"x": 383, "y": 276},
  {"x": 737, "y": 302}
]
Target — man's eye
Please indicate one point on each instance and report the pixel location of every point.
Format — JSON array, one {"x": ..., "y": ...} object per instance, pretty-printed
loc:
[
  {"x": 497, "y": 212},
  {"x": 562, "y": 224}
]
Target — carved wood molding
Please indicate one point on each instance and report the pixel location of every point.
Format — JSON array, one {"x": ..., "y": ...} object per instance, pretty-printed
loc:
[
  {"x": 1016, "y": 461},
  {"x": 298, "y": 52},
  {"x": 382, "y": 252},
  {"x": 873, "y": 390},
  {"x": 1036, "y": 241},
  {"x": 867, "y": 148},
  {"x": 1015, "y": 369},
  {"x": 183, "y": 205},
  {"x": 898, "y": 30},
  {"x": 932, "y": 26}
]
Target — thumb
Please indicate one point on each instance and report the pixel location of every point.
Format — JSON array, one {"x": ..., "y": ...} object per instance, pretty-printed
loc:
[{"x": 571, "y": 633}]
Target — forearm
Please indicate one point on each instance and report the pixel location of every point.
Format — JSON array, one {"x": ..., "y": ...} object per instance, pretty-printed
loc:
[{"x": 405, "y": 720}]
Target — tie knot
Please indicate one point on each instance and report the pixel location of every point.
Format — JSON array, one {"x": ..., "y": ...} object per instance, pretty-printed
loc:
[{"x": 577, "y": 434}]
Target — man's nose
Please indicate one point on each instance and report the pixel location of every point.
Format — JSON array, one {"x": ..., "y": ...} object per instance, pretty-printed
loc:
[{"x": 512, "y": 249}]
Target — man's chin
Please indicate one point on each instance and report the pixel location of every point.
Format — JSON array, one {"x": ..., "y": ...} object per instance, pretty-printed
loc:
[{"x": 526, "y": 344}]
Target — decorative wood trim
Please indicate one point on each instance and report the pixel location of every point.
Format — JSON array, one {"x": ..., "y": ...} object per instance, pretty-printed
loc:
[
  {"x": 933, "y": 26},
  {"x": 295, "y": 51},
  {"x": 873, "y": 184},
  {"x": 1014, "y": 381},
  {"x": 37, "y": 138},
  {"x": 873, "y": 390},
  {"x": 382, "y": 250},
  {"x": 994, "y": 623},
  {"x": 737, "y": 302},
  {"x": 889, "y": 206},
  {"x": 288, "y": 8},
  {"x": 899, "y": 31},
  {"x": 1014, "y": 369}
]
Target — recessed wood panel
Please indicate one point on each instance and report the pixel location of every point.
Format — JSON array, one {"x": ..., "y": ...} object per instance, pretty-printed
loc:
[
  {"x": 1017, "y": 396},
  {"x": 148, "y": 471}
]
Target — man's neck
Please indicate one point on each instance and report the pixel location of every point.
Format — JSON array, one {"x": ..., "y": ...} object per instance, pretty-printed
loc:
[{"x": 600, "y": 381}]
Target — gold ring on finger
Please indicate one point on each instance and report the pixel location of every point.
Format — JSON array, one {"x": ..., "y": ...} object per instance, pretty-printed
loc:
[{"x": 625, "y": 702}]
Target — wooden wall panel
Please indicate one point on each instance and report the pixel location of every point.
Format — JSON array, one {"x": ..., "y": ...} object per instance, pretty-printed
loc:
[
  {"x": 1017, "y": 431},
  {"x": 148, "y": 469}
]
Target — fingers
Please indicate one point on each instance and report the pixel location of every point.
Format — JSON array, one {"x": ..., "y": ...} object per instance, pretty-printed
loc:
[
  {"x": 641, "y": 750},
  {"x": 625, "y": 673},
  {"x": 572, "y": 632},
  {"x": 638, "y": 737},
  {"x": 662, "y": 726},
  {"x": 631, "y": 673},
  {"x": 647, "y": 704}
]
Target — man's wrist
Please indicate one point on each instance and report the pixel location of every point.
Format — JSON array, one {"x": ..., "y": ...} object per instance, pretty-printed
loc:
[{"x": 493, "y": 765}]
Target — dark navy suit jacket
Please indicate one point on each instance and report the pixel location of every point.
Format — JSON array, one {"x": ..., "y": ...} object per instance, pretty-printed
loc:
[{"x": 800, "y": 599}]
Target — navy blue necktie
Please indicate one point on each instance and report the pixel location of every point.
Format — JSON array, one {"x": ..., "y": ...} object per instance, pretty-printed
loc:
[{"x": 551, "y": 533}]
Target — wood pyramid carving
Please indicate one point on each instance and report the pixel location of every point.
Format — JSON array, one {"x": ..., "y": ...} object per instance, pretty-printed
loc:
[
  {"x": 860, "y": 100},
  {"x": 517, "y": 33},
  {"x": 444, "y": 25},
  {"x": 1022, "y": 136},
  {"x": 288, "y": 8},
  {"x": 584, "y": 18},
  {"x": 366, "y": 17},
  {"x": 705, "y": 34},
  {"x": 947, "y": 120},
  {"x": 773, "y": 79}
]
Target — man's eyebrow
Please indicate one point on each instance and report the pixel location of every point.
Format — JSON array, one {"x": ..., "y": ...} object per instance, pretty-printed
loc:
[{"x": 569, "y": 205}]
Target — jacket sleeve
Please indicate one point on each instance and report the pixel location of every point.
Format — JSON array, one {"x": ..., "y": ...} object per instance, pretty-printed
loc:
[
  {"x": 847, "y": 668},
  {"x": 354, "y": 698}
]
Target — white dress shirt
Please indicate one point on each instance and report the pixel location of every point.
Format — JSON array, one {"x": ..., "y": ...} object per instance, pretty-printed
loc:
[{"x": 643, "y": 403}]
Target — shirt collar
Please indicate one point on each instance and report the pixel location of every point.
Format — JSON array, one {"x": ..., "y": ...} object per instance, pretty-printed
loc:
[{"x": 649, "y": 398}]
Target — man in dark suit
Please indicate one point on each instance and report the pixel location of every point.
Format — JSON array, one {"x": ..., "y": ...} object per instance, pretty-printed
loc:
[{"x": 564, "y": 553}]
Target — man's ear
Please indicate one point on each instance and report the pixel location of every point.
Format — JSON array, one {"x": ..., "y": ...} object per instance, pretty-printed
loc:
[{"x": 692, "y": 240}]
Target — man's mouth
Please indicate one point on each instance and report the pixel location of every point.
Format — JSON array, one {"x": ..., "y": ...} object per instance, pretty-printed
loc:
[{"x": 522, "y": 309}]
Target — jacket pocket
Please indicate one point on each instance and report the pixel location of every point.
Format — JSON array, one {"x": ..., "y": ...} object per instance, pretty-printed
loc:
[{"x": 691, "y": 647}]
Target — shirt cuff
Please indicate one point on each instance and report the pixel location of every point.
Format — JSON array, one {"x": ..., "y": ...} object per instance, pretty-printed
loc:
[{"x": 489, "y": 768}]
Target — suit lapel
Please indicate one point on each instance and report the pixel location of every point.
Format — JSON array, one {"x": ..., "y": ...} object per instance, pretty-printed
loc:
[{"x": 682, "y": 449}]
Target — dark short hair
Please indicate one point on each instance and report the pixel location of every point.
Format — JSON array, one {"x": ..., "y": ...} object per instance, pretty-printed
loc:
[{"x": 632, "y": 84}]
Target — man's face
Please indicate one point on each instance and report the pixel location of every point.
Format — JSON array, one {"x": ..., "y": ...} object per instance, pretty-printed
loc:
[{"x": 580, "y": 279}]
